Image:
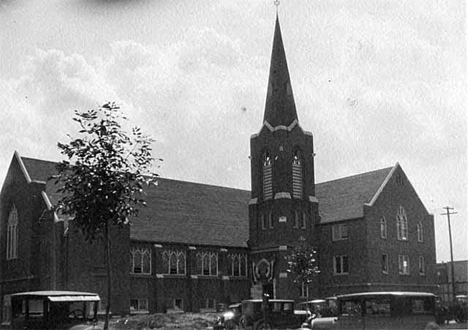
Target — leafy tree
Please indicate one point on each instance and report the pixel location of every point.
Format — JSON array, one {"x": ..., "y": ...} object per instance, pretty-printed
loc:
[
  {"x": 302, "y": 264},
  {"x": 104, "y": 178}
]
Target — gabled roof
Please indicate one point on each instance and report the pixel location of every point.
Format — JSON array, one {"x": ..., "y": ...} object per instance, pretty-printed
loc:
[
  {"x": 177, "y": 211},
  {"x": 193, "y": 213},
  {"x": 344, "y": 198},
  {"x": 200, "y": 214},
  {"x": 39, "y": 170}
]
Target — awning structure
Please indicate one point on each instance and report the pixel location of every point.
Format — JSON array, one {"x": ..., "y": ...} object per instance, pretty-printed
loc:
[{"x": 73, "y": 298}]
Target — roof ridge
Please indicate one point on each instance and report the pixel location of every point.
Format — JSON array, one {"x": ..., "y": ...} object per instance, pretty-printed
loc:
[
  {"x": 162, "y": 178},
  {"x": 40, "y": 160},
  {"x": 357, "y": 175}
]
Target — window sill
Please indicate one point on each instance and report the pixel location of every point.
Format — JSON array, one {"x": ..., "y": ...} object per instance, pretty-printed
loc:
[
  {"x": 139, "y": 312},
  {"x": 340, "y": 274},
  {"x": 141, "y": 274},
  {"x": 171, "y": 275},
  {"x": 206, "y": 277}
]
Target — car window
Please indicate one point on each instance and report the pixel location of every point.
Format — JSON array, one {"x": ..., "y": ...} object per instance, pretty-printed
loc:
[
  {"x": 350, "y": 308},
  {"x": 276, "y": 307},
  {"x": 36, "y": 307},
  {"x": 377, "y": 306},
  {"x": 421, "y": 306}
]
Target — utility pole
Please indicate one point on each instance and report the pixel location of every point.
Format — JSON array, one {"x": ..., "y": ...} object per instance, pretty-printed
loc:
[{"x": 448, "y": 209}]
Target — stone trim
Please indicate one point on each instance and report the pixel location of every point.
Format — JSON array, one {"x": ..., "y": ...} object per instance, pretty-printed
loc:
[
  {"x": 282, "y": 195},
  {"x": 253, "y": 201}
]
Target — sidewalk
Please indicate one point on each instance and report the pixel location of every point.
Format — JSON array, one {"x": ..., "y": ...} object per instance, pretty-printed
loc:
[{"x": 455, "y": 325}]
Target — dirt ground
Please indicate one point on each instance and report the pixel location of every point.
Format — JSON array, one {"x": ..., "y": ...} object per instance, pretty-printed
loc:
[{"x": 181, "y": 321}]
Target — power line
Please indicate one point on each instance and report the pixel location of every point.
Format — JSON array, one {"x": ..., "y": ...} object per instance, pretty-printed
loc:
[{"x": 448, "y": 213}]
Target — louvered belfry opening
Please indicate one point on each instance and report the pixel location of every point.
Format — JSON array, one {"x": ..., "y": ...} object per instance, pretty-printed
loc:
[
  {"x": 267, "y": 176},
  {"x": 297, "y": 174}
]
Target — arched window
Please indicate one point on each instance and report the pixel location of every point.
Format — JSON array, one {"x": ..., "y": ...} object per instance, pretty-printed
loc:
[
  {"x": 402, "y": 224},
  {"x": 304, "y": 220},
  {"x": 270, "y": 219},
  {"x": 237, "y": 264},
  {"x": 297, "y": 173},
  {"x": 263, "y": 221},
  {"x": 140, "y": 261},
  {"x": 267, "y": 176},
  {"x": 12, "y": 235},
  {"x": 383, "y": 227},
  {"x": 420, "y": 232},
  {"x": 174, "y": 262},
  {"x": 207, "y": 263},
  {"x": 296, "y": 219}
]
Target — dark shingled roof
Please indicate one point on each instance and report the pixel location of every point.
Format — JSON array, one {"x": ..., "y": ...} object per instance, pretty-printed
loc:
[
  {"x": 193, "y": 213},
  {"x": 200, "y": 214},
  {"x": 177, "y": 211},
  {"x": 344, "y": 198}
]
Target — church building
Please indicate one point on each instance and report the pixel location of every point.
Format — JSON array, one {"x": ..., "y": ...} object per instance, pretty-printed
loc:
[{"x": 197, "y": 246}]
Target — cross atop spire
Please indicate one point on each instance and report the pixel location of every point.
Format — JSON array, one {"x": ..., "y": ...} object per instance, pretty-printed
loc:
[{"x": 280, "y": 108}]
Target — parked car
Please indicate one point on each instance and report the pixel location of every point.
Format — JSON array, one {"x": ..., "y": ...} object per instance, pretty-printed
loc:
[
  {"x": 278, "y": 314},
  {"x": 64, "y": 310},
  {"x": 229, "y": 320},
  {"x": 320, "y": 307},
  {"x": 381, "y": 310},
  {"x": 458, "y": 310}
]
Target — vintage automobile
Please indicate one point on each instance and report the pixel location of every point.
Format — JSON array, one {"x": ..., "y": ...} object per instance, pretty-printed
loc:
[
  {"x": 381, "y": 310},
  {"x": 278, "y": 314},
  {"x": 320, "y": 307},
  {"x": 64, "y": 310},
  {"x": 229, "y": 320},
  {"x": 457, "y": 310}
]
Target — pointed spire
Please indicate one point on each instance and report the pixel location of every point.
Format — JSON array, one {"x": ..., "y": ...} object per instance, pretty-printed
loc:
[{"x": 280, "y": 108}]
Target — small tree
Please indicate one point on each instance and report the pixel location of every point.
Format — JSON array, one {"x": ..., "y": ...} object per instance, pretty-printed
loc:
[
  {"x": 302, "y": 264},
  {"x": 104, "y": 177}
]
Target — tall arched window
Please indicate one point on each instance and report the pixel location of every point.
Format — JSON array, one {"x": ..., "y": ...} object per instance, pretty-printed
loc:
[
  {"x": 12, "y": 235},
  {"x": 263, "y": 221},
  {"x": 383, "y": 227},
  {"x": 270, "y": 219},
  {"x": 174, "y": 262},
  {"x": 267, "y": 176},
  {"x": 297, "y": 174},
  {"x": 207, "y": 263},
  {"x": 402, "y": 224},
  {"x": 420, "y": 232},
  {"x": 296, "y": 219},
  {"x": 140, "y": 261}
]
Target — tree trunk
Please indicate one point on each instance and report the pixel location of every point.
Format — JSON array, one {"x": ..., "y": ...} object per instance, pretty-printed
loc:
[{"x": 107, "y": 244}]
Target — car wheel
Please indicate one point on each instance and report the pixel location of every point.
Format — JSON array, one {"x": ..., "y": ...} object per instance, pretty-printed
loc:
[
  {"x": 243, "y": 322},
  {"x": 261, "y": 325},
  {"x": 432, "y": 326},
  {"x": 230, "y": 325}
]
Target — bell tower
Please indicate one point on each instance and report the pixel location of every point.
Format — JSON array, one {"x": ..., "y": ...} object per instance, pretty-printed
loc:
[{"x": 283, "y": 207}]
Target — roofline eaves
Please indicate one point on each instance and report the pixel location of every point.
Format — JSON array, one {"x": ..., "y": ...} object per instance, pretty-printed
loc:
[
  {"x": 23, "y": 167},
  {"x": 382, "y": 186}
]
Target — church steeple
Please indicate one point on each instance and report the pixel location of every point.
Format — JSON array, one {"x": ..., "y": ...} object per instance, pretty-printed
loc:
[
  {"x": 283, "y": 208},
  {"x": 280, "y": 108}
]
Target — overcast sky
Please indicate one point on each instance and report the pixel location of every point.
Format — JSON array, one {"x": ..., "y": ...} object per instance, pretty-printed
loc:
[{"x": 376, "y": 82}]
